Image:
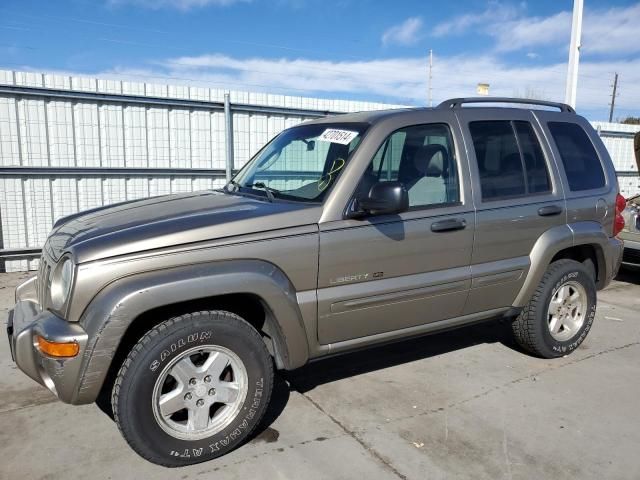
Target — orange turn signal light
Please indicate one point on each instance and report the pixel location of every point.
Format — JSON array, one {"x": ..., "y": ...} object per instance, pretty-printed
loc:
[{"x": 56, "y": 349}]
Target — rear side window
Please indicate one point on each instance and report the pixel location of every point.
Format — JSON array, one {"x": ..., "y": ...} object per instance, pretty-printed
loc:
[
  {"x": 510, "y": 159},
  {"x": 580, "y": 160}
]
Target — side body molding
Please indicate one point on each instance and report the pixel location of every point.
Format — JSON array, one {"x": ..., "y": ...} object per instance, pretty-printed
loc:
[{"x": 112, "y": 311}]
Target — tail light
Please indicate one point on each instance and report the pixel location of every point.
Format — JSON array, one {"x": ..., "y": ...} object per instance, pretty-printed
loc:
[{"x": 618, "y": 222}]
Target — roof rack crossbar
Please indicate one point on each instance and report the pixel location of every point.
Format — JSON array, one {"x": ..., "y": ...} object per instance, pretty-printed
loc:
[{"x": 457, "y": 102}]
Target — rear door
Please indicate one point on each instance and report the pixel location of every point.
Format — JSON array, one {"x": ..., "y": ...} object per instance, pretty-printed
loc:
[
  {"x": 391, "y": 272},
  {"x": 588, "y": 174},
  {"x": 517, "y": 194}
]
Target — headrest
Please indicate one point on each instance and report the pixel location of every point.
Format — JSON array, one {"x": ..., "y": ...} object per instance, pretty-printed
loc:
[{"x": 427, "y": 161}]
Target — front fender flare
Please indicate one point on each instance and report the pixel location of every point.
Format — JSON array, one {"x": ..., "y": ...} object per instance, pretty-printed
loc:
[{"x": 112, "y": 311}]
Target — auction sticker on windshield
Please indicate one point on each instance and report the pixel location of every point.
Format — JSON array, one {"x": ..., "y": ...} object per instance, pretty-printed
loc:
[{"x": 333, "y": 135}]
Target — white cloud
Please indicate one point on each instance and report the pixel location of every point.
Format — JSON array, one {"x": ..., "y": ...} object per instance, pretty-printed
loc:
[
  {"x": 399, "y": 80},
  {"x": 611, "y": 31},
  {"x": 405, "y": 33},
  {"x": 496, "y": 12},
  {"x": 403, "y": 79},
  {"x": 176, "y": 4},
  {"x": 531, "y": 31}
]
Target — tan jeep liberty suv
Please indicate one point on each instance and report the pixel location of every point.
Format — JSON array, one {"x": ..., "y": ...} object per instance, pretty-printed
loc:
[{"x": 340, "y": 233}]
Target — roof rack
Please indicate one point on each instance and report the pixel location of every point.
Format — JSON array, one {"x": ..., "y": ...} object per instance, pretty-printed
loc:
[{"x": 457, "y": 102}]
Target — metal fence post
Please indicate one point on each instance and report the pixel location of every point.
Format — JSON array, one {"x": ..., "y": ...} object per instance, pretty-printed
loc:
[
  {"x": 94, "y": 135},
  {"x": 2, "y": 264},
  {"x": 228, "y": 135}
]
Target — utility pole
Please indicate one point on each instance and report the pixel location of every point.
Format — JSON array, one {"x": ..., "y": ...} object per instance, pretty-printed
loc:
[
  {"x": 574, "y": 54},
  {"x": 430, "y": 77},
  {"x": 613, "y": 96}
]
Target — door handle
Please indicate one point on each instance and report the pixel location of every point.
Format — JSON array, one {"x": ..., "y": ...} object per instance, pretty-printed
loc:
[
  {"x": 549, "y": 210},
  {"x": 448, "y": 225}
]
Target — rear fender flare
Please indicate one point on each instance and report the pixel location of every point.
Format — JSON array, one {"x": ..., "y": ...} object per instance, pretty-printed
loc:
[
  {"x": 560, "y": 238},
  {"x": 548, "y": 244}
]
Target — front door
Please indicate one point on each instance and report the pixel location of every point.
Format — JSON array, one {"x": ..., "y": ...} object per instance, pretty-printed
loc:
[{"x": 391, "y": 272}]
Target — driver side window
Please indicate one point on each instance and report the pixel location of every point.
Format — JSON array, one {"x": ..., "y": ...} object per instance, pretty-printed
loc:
[{"x": 422, "y": 157}]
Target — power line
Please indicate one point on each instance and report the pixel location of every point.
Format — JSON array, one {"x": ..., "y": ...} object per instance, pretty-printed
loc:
[
  {"x": 18, "y": 47},
  {"x": 558, "y": 70},
  {"x": 205, "y": 82},
  {"x": 379, "y": 73},
  {"x": 376, "y": 72},
  {"x": 61, "y": 19},
  {"x": 430, "y": 78}
]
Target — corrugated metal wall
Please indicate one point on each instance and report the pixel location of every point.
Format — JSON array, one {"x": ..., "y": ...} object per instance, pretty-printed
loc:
[
  {"x": 618, "y": 138},
  {"x": 72, "y": 143},
  {"x": 70, "y": 154}
]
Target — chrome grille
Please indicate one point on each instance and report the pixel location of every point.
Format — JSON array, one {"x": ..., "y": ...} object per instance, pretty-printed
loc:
[
  {"x": 44, "y": 279},
  {"x": 48, "y": 260}
]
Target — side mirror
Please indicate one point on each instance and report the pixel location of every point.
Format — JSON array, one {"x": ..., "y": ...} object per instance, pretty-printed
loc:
[{"x": 385, "y": 198}]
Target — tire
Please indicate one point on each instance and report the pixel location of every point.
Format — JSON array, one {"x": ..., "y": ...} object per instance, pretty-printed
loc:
[
  {"x": 536, "y": 330},
  {"x": 159, "y": 367}
]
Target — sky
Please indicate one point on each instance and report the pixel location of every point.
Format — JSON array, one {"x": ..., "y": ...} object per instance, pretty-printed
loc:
[{"x": 352, "y": 49}]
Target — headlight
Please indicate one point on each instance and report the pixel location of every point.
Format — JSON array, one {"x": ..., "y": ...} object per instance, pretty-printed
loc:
[{"x": 61, "y": 283}]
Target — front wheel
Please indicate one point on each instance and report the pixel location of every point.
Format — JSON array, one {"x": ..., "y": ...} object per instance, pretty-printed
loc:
[
  {"x": 193, "y": 388},
  {"x": 559, "y": 316}
]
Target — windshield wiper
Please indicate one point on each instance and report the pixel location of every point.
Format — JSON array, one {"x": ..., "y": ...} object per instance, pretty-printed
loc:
[{"x": 268, "y": 190}]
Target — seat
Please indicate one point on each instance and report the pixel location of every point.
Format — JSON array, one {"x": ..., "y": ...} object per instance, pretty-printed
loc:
[{"x": 423, "y": 174}]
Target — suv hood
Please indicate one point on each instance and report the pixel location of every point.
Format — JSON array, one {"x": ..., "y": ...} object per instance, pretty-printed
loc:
[{"x": 171, "y": 220}]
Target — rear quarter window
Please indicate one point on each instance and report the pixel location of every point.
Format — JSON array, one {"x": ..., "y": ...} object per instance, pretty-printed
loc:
[{"x": 579, "y": 157}]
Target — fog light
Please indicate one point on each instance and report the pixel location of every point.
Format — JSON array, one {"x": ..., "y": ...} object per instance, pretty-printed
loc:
[{"x": 56, "y": 349}]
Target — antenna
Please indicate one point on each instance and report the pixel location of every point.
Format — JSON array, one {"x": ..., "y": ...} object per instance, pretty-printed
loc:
[{"x": 430, "y": 78}]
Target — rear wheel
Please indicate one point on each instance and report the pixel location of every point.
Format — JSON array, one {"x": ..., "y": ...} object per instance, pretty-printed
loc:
[
  {"x": 193, "y": 388},
  {"x": 559, "y": 316}
]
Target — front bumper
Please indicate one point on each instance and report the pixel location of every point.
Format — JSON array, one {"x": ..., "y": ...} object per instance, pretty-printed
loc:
[{"x": 26, "y": 320}]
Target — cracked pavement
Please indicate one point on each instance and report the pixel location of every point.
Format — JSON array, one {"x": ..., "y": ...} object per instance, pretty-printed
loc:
[{"x": 461, "y": 404}]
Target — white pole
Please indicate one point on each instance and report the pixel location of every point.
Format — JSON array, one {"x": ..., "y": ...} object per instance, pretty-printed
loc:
[
  {"x": 574, "y": 53},
  {"x": 430, "y": 77},
  {"x": 228, "y": 136}
]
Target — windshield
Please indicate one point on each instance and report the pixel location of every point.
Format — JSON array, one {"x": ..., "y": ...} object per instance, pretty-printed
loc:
[{"x": 300, "y": 164}]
